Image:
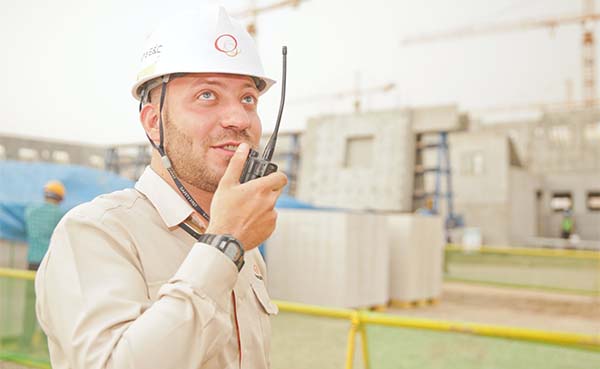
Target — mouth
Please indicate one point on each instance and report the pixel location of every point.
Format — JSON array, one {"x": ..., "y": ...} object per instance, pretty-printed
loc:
[{"x": 227, "y": 147}]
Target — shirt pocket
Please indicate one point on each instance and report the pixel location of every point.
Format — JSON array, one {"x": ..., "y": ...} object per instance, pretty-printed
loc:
[
  {"x": 265, "y": 311},
  {"x": 260, "y": 291}
]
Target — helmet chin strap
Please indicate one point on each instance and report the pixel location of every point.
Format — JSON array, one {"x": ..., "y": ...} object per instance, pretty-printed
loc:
[{"x": 163, "y": 154}]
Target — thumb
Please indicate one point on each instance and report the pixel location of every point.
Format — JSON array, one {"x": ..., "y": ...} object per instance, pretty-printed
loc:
[{"x": 236, "y": 165}]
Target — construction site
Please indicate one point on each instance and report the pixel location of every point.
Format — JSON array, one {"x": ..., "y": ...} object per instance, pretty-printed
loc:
[{"x": 431, "y": 236}]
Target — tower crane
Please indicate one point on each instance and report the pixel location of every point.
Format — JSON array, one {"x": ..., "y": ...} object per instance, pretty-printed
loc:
[
  {"x": 357, "y": 93},
  {"x": 586, "y": 19},
  {"x": 254, "y": 11}
]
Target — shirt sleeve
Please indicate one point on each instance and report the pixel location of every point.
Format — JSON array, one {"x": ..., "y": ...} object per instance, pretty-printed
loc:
[{"x": 93, "y": 302}]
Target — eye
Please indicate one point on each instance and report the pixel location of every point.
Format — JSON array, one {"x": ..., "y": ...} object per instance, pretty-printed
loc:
[
  {"x": 249, "y": 99},
  {"x": 206, "y": 95}
]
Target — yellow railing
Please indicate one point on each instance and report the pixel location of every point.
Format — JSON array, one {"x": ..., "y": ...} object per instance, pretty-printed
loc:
[
  {"x": 17, "y": 274},
  {"x": 523, "y": 251},
  {"x": 360, "y": 318}
]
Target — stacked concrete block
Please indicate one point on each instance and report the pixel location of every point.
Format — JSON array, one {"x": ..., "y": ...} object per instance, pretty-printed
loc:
[
  {"x": 416, "y": 257},
  {"x": 444, "y": 118},
  {"x": 329, "y": 258},
  {"x": 384, "y": 178}
]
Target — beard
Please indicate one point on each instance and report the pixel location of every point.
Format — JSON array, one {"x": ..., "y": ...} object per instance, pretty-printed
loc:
[{"x": 190, "y": 166}]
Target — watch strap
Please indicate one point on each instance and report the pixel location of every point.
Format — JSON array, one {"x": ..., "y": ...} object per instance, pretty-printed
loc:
[{"x": 227, "y": 244}]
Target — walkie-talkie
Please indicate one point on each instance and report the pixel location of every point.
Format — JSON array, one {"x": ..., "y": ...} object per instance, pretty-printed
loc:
[{"x": 255, "y": 166}]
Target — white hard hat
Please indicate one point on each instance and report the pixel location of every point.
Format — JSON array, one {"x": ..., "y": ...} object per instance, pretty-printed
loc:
[{"x": 207, "y": 41}]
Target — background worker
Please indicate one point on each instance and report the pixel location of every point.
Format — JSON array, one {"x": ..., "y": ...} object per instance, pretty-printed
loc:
[
  {"x": 567, "y": 224},
  {"x": 40, "y": 221},
  {"x": 168, "y": 275}
]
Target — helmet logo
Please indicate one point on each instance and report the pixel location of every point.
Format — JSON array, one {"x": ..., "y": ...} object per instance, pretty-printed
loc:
[
  {"x": 227, "y": 44},
  {"x": 154, "y": 50}
]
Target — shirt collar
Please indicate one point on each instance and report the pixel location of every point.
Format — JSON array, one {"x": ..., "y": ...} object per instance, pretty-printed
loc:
[{"x": 170, "y": 206}]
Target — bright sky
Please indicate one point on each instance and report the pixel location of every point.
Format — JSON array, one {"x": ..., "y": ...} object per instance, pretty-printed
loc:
[{"x": 69, "y": 64}]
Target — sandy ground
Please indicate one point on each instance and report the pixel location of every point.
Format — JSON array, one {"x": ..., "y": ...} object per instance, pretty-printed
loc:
[{"x": 513, "y": 307}]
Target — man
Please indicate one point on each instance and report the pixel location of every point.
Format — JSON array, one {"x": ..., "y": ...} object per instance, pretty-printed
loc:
[
  {"x": 126, "y": 283},
  {"x": 566, "y": 224},
  {"x": 40, "y": 221}
]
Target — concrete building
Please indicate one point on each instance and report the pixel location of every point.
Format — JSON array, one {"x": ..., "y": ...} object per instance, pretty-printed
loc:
[
  {"x": 510, "y": 180},
  {"x": 492, "y": 190},
  {"x": 53, "y": 151},
  {"x": 562, "y": 149},
  {"x": 128, "y": 160},
  {"x": 367, "y": 160}
]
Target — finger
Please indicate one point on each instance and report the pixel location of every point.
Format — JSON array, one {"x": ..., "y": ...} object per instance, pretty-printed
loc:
[
  {"x": 236, "y": 165},
  {"x": 272, "y": 182},
  {"x": 281, "y": 180},
  {"x": 273, "y": 197}
]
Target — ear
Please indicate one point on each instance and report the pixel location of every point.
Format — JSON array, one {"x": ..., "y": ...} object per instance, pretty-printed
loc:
[{"x": 149, "y": 120}]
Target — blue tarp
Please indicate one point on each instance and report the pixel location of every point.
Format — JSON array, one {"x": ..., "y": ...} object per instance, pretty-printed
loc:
[
  {"x": 22, "y": 184},
  {"x": 288, "y": 202}
]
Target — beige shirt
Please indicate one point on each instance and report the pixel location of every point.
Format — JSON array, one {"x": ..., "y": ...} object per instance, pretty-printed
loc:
[{"x": 122, "y": 286}]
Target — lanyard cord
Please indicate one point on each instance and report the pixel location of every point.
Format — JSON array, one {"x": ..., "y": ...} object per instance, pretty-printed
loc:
[
  {"x": 189, "y": 230},
  {"x": 165, "y": 159}
]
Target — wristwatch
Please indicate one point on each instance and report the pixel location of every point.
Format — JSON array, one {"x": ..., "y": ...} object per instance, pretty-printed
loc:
[{"x": 228, "y": 245}]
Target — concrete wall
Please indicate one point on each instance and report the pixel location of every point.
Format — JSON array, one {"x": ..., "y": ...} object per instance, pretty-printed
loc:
[
  {"x": 562, "y": 143},
  {"x": 384, "y": 178},
  {"x": 520, "y": 133},
  {"x": 481, "y": 196},
  {"x": 558, "y": 141},
  {"x": 491, "y": 185},
  {"x": 436, "y": 119},
  {"x": 587, "y": 222},
  {"x": 522, "y": 204}
]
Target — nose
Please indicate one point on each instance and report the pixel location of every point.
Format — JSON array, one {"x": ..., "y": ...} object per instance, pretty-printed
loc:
[{"x": 235, "y": 117}]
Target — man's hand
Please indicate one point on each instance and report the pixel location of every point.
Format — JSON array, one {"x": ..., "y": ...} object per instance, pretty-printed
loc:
[{"x": 245, "y": 211}]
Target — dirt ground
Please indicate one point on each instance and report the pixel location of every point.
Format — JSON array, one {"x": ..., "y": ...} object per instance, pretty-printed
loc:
[{"x": 513, "y": 307}]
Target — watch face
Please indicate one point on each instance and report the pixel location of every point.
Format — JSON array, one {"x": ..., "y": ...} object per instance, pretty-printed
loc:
[{"x": 232, "y": 251}]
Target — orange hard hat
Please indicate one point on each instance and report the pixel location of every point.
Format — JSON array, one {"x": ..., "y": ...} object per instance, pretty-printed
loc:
[{"x": 54, "y": 189}]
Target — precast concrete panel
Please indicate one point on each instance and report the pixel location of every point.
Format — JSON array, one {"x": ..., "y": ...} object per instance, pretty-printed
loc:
[
  {"x": 416, "y": 256},
  {"x": 329, "y": 258},
  {"x": 490, "y": 183},
  {"x": 327, "y": 178},
  {"x": 436, "y": 119}
]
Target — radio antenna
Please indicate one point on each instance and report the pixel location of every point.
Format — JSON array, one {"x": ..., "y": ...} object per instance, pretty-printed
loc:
[{"x": 270, "y": 148}]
